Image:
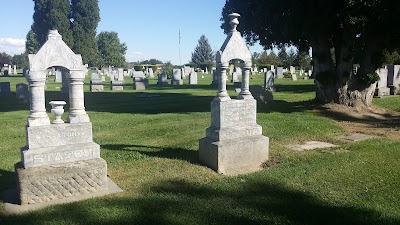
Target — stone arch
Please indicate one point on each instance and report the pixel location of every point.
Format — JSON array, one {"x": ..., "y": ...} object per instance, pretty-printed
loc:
[
  {"x": 234, "y": 48},
  {"x": 55, "y": 52}
]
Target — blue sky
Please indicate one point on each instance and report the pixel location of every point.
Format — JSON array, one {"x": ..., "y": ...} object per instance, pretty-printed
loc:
[{"x": 149, "y": 28}]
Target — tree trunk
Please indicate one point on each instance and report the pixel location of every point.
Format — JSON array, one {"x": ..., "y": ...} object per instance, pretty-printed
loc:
[{"x": 345, "y": 88}]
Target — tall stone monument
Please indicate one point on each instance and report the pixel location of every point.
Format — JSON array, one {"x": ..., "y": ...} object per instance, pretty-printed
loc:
[
  {"x": 234, "y": 143},
  {"x": 60, "y": 159}
]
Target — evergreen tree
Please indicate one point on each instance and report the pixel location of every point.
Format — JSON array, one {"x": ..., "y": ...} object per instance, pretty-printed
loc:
[
  {"x": 283, "y": 57},
  {"x": 85, "y": 16},
  {"x": 50, "y": 15},
  {"x": 112, "y": 52},
  {"x": 291, "y": 58},
  {"x": 303, "y": 59},
  {"x": 203, "y": 53},
  {"x": 31, "y": 44}
]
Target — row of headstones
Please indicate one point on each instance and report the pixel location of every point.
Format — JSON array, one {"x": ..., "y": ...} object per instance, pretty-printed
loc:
[
  {"x": 7, "y": 70},
  {"x": 139, "y": 81},
  {"x": 389, "y": 81},
  {"x": 22, "y": 91}
]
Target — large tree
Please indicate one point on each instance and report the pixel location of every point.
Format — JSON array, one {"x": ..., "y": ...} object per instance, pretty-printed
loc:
[
  {"x": 357, "y": 30},
  {"x": 203, "y": 53},
  {"x": 49, "y": 15},
  {"x": 85, "y": 15},
  {"x": 111, "y": 50}
]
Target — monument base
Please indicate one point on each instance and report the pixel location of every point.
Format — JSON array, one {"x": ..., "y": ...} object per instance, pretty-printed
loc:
[
  {"x": 234, "y": 156},
  {"x": 52, "y": 182}
]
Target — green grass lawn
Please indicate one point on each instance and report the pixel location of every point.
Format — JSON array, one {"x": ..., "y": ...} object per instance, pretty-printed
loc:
[{"x": 150, "y": 145}]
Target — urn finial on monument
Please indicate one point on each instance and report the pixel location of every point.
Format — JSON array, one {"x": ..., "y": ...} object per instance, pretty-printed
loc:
[
  {"x": 234, "y": 21},
  {"x": 53, "y": 34}
]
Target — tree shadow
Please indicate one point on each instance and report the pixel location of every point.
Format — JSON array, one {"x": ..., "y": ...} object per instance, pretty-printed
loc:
[
  {"x": 159, "y": 152},
  {"x": 299, "y": 88},
  {"x": 177, "y": 201}
]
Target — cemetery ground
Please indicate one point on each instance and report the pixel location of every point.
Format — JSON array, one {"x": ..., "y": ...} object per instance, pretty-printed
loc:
[{"x": 150, "y": 141}]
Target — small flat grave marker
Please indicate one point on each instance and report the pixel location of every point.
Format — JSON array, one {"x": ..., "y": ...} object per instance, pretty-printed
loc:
[
  {"x": 311, "y": 145},
  {"x": 356, "y": 137}
]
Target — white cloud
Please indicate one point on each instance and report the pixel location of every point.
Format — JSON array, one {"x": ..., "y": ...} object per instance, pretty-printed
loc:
[
  {"x": 12, "y": 46},
  {"x": 135, "y": 56}
]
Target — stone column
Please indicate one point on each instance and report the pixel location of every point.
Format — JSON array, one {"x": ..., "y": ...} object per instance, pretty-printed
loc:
[
  {"x": 77, "y": 113},
  {"x": 37, "y": 115},
  {"x": 245, "y": 93},
  {"x": 222, "y": 93},
  {"x": 15, "y": 70}
]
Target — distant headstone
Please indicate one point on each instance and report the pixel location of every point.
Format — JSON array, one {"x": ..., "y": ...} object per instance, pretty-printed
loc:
[
  {"x": 272, "y": 68},
  {"x": 183, "y": 75},
  {"x": 193, "y": 77},
  {"x": 10, "y": 71},
  {"x": 235, "y": 77},
  {"x": 215, "y": 77},
  {"x": 269, "y": 80},
  {"x": 116, "y": 85},
  {"x": 294, "y": 77},
  {"x": 103, "y": 78},
  {"x": 177, "y": 77},
  {"x": 187, "y": 70},
  {"x": 96, "y": 84},
  {"x": 162, "y": 79},
  {"x": 120, "y": 76},
  {"x": 137, "y": 74},
  {"x": 151, "y": 73},
  {"x": 292, "y": 69},
  {"x": 24, "y": 71},
  {"x": 394, "y": 79},
  {"x": 5, "y": 88},
  {"x": 6, "y": 73},
  {"x": 140, "y": 83},
  {"x": 15, "y": 70},
  {"x": 279, "y": 72},
  {"x": 382, "y": 89},
  {"x": 58, "y": 76},
  {"x": 22, "y": 93}
]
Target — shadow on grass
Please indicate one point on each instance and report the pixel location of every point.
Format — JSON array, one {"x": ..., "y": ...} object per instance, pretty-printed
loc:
[
  {"x": 8, "y": 180},
  {"x": 382, "y": 120},
  {"x": 159, "y": 152},
  {"x": 254, "y": 201},
  {"x": 287, "y": 107},
  {"x": 300, "y": 88}
]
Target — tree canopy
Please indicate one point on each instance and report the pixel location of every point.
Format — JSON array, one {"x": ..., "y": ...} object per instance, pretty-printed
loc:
[
  {"x": 49, "y": 15},
  {"x": 111, "y": 50},
  {"x": 358, "y": 31},
  {"x": 203, "y": 52},
  {"x": 86, "y": 16}
]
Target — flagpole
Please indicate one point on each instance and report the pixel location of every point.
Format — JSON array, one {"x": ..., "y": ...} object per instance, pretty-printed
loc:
[{"x": 180, "y": 63}]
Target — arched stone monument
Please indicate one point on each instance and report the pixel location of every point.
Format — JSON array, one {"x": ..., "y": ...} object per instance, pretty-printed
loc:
[
  {"x": 234, "y": 143},
  {"x": 60, "y": 159}
]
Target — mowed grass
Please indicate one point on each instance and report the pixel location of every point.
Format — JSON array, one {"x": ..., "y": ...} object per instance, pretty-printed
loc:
[{"x": 150, "y": 141}]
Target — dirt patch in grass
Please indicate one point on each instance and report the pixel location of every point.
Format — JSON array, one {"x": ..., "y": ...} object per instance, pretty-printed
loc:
[
  {"x": 272, "y": 161},
  {"x": 373, "y": 121}
]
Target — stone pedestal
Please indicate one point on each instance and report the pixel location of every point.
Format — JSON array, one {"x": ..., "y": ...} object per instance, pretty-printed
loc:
[
  {"x": 51, "y": 182},
  {"x": 234, "y": 143}
]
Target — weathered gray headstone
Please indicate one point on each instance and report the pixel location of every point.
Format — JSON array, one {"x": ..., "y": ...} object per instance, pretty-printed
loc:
[
  {"x": 394, "y": 79},
  {"x": 5, "y": 88},
  {"x": 177, "y": 77},
  {"x": 382, "y": 89},
  {"x": 292, "y": 69},
  {"x": 116, "y": 85},
  {"x": 96, "y": 84},
  {"x": 66, "y": 162},
  {"x": 6, "y": 73},
  {"x": 58, "y": 76},
  {"x": 269, "y": 80},
  {"x": 234, "y": 143},
  {"x": 22, "y": 93},
  {"x": 151, "y": 73},
  {"x": 215, "y": 77},
  {"x": 235, "y": 77},
  {"x": 279, "y": 72},
  {"x": 162, "y": 79},
  {"x": 294, "y": 77},
  {"x": 193, "y": 77}
]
